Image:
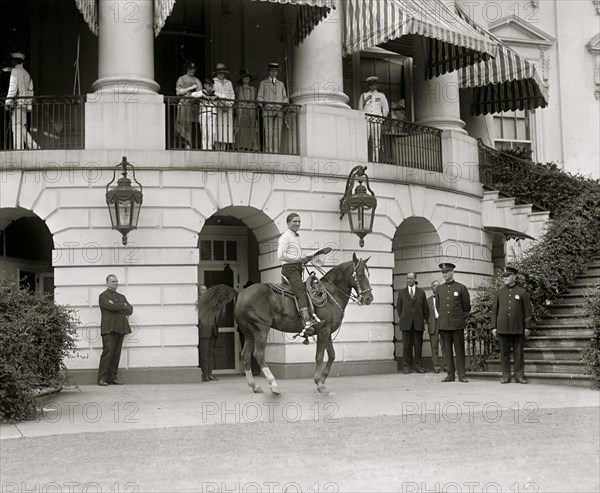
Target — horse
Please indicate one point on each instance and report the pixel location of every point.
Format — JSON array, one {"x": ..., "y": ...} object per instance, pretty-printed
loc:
[{"x": 258, "y": 309}]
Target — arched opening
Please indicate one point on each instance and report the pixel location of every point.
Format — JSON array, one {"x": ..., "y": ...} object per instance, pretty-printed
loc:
[
  {"x": 229, "y": 254},
  {"x": 26, "y": 250},
  {"x": 416, "y": 247}
]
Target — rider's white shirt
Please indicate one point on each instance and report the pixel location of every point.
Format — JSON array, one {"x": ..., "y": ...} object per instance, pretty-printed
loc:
[{"x": 289, "y": 250}]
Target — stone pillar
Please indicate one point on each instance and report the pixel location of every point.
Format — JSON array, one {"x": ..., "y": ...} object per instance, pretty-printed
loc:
[
  {"x": 436, "y": 100},
  {"x": 126, "y": 46},
  {"x": 125, "y": 111},
  {"x": 317, "y": 67}
]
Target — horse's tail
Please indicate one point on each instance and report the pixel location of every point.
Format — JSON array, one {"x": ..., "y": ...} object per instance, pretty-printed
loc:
[{"x": 212, "y": 304}]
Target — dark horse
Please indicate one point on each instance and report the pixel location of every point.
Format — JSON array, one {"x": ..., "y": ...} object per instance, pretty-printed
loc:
[{"x": 258, "y": 308}]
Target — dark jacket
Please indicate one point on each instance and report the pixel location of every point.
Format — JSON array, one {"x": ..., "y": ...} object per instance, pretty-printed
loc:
[
  {"x": 412, "y": 310},
  {"x": 511, "y": 310},
  {"x": 453, "y": 304},
  {"x": 432, "y": 322},
  {"x": 114, "y": 309}
]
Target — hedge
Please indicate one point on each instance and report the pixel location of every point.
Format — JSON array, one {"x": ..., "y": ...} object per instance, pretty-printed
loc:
[{"x": 35, "y": 336}]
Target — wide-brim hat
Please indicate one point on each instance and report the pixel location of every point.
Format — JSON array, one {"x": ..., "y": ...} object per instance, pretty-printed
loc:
[
  {"x": 447, "y": 266},
  {"x": 273, "y": 66},
  {"x": 245, "y": 73},
  {"x": 17, "y": 54},
  {"x": 371, "y": 79},
  {"x": 220, "y": 68}
]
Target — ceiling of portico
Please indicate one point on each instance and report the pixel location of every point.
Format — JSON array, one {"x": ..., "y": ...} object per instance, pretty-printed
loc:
[{"x": 8, "y": 215}]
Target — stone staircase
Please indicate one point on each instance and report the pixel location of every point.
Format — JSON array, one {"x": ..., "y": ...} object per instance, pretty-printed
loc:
[{"x": 553, "y": 352}]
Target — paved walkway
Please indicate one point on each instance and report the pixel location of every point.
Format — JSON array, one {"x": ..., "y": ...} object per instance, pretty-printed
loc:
[{"x": 371, "y": 433}]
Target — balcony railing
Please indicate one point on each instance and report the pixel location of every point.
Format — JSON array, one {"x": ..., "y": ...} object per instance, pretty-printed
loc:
[
  {"x": 231, "y": 125},
  {"x": 43, "y": 122},
  {"x": 404, "y": 144}
]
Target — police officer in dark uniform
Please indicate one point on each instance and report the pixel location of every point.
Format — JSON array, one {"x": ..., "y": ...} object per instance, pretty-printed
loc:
[
  {"x": 454, "y": 304},
  {"x": 511, "y": 319}
]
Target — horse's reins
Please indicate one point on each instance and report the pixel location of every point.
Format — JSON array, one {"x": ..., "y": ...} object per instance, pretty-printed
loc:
[{"x": 350, "y": 296}]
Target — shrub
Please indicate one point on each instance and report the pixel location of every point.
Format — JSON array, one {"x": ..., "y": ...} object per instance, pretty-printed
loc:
[
  {"x": 481, "y": 344},
  {"x": 591, "y": 353},
  {"x": 35, "y": 337}
]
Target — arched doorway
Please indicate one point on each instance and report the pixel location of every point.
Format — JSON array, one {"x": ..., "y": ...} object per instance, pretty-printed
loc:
[
  {"x": 417, "y": 248},
  {"x": 26, "y": 250},
  {"x": 229, "y": 253}
]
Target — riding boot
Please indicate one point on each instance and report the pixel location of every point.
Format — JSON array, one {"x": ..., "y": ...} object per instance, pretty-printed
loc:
[{"x": 308, "y": 323}]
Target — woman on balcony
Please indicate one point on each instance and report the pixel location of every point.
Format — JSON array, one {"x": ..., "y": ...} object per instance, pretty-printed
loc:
[
  {"x": 224, "y": 90},
  {"x": 246, "y": 125},
  {"x": 187, "y": 111}
]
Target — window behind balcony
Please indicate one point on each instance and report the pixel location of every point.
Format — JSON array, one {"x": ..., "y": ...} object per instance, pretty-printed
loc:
[{"x": 512, "y": 130}]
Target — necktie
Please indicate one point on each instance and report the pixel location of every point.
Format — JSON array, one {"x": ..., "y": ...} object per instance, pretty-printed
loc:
[
  {"x": 273, "y": 81},
  {"x": 412, "y": 292}
]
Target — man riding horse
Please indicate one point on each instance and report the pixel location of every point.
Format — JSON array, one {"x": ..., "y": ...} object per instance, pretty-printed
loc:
[{"x": 289, "y": 253}]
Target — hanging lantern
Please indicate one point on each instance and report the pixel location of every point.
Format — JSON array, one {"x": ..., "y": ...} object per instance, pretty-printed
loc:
[
  {"x": 359, "y": 203},
  {"x": 124, "y": 201}
]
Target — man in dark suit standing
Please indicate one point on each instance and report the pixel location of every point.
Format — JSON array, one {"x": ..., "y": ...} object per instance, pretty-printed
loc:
[
  {"x": 114, "y": 325},
  {"x": 433, "y": 328},
  {"x": 511, "y": 319},
  {"x": 413, "y": 311},
  {"x": 454, "y": 304},
  {"x": 208, "y": 331}
]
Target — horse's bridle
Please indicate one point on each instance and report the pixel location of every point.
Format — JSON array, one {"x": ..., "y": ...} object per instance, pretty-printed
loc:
[{"x": 357, "y": 288}]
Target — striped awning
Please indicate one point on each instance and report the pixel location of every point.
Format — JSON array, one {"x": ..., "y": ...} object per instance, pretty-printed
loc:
[
  {"x": 505, "y": 83},
  {"x": 310, "y": 13},
  {"x": 452, "y": 43}
]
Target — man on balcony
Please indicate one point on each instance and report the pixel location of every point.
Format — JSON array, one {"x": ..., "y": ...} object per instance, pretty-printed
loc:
[
  {"x": 375, "y": 103},
  {"x": 20, "y": 87},
  {"x": 272, "y": 91}
]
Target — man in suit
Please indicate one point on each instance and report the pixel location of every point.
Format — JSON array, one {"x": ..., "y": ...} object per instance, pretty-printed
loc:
[
  {"x": 270, "y": 91},
  {"x": 208, "y": 331},
  {"x": 453, "y": 304},
  {"x": 413, "y": 311},
  {"x": 433, "y": 328},
  {"x": 114, "y": 309},
  {"x": 511, "y": 319}
]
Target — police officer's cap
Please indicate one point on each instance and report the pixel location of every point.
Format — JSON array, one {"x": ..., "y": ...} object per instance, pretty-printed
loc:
[
  {"x": 509, "y": 270},
  {"x": 372, "y": 79},
  {"x": 447, "y": 266},
  {"x": 18, "y": 55}
]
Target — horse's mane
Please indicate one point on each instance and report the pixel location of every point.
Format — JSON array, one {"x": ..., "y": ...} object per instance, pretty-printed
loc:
[{"x": 342, "y": 269}]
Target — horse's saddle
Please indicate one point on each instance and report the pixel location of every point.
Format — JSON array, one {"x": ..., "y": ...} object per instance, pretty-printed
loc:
[{"x": 315, "y": 289}]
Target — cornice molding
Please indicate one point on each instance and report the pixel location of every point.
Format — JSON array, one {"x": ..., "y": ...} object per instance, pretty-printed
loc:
[{"x": 536, "y": 37}]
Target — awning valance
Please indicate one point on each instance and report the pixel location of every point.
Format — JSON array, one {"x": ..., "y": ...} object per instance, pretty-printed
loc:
[
  {"x": 89, "y": 11},
  {"x": 310, "y": 13},
  {"x": 506, "y": 83},
  {"x": 452, "y": 42}
]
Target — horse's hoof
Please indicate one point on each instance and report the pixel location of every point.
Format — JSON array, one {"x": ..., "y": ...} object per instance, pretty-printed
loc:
[
  {"x": 258, "y": 390},
  {"x": 322, "y": 389},
  {"x": 275, "y": 389}
]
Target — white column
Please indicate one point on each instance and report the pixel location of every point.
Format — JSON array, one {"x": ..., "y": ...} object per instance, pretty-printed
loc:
[
  {"x": 436, "y": 100},
  {"x": 317, "y": 67},
  {"x": 126, "y": 46}
]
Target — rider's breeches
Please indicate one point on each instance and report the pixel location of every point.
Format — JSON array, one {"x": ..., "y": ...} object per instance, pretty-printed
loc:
[{"x": 293, "y": 272}]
